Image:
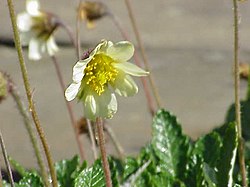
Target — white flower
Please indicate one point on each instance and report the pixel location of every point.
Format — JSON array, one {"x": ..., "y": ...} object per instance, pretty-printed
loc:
[
  {"x": 36, "y": 30},
  {"x": 104, "y": 72}
]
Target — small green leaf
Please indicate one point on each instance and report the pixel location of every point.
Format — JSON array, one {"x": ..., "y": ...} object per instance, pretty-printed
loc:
[
  {"x": 208, "y": 147},
  {"x": 226, "y": 161},
  {"x": 20, "y": 169},
  {"x": 130, "y": 167},
  {"x": 30, "y": 180},
  {"x": 94, "y": 176},
  {"x": 91, "y": 177},
  {"x": 65, "y": 169},
  {"x": 245, "y": 118},
  {"x": 210, "y": 175},
  {"x": 169, "y": 144},
  {"x": 194, "y": 174}
]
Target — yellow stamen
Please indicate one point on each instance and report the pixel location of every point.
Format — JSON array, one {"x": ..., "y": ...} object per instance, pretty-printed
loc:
[{"x": 99, "y": 72}]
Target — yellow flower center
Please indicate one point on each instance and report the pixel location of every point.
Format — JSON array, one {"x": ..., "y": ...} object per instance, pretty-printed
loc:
[{"x": 99, "y": 72}]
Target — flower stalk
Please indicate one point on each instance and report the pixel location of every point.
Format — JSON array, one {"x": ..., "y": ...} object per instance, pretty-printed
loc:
[
  {"x": 236, "y": 93},
  {"x": 69, "y": 108},
  {"x": 6, "y": 160},
  {"x": 29, "y": 93},
  {"x": 101, "y": 140},
  {"x": 27, "y": 123},
  {"x": 144, "y": 56}
]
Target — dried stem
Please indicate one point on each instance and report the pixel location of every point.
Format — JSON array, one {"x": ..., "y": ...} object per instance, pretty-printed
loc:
[
  {"x": 78, "y": 41},
  {"x": 144, "y": 57},
  {"x": 28, "y": 126},
  {"x": 6, "y": 160},
  {"x": 29, "y": 93},
  {"x": 115, "y": 141},
  {"x": 92, "y": 139},
  {"x": 101, "y": 140},
  {"x": 137, "y": 62},
  {"x": 69, "y": 108},
  {"x": 236, "y": 92}
]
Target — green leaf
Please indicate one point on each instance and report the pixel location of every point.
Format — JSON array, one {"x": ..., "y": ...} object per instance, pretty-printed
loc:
[
  {"x": 226, "y": 161},
  {"x": 195, "y": 175},
  {"x": 208, "y": 147},
  {"x": 30, "y": 180},
  {"x": 169, "y": 144},
  {"x": 20, "y": 169},
  {"x": 210, "y": 175},
  {"x": 130, "y": 167},
  {"x": 94, "y": 176},
  {"x": 65, "y": 169},
  {"x": 91, "y": 177},
  {"x": 245, "y": 118}
]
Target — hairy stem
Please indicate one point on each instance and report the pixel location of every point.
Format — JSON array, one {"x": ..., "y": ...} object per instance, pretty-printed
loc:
[
  {"x": 101, "y": 140},
  {"x": 144, "y": 57},
  {"x": 69, "y": 107},
  {"x": 137, "y": 62},
  {"x": 115, "y": 141},
  {"x": 236, "y": 93},
  {"x": 30, "y": 131},
  {"x": 29, "y": 93},
  {"x": 6, "y": 160}
]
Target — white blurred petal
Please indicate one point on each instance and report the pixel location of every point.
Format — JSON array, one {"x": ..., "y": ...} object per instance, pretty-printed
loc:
[
  {"x": 124, "y": 85},
  {"x": 130, "y": 69},
  {"x": 121, "y": 51},
  {"x": 51, "y": 46},
  {"x": 71, "y": 91},
  {"x": 32, "y": 7},
  {"x": 24, "y": 22},
  {"x": 36, "y": 47},
  {"x": 25, "y": 37}
]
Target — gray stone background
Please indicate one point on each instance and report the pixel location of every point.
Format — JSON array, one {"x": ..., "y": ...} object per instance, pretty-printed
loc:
[{"x": 189, "y": 46}]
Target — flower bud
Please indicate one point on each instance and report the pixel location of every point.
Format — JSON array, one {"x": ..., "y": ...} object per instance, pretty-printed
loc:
[{"x": 91, "y": 11}]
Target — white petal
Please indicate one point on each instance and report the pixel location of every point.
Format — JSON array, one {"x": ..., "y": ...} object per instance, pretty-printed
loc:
[
  {"x": 121, "y": 51},
  {"x": 101, "y": 47},
  {"x": 112, "y": 106},
  {"x": 35, "y": 49},
  {"x": 105, "y": 45},
  {"x": 25, "y": 37},
  {"x": 51, "y": 46},
  {"x": 24, "y": 22},
  {"x": 107, "y": 104},
  {"x": 71, "y": 91},
  {"x": 130, "y": 69},
  {"x": 90, "y": 107},
  {"x": 124, "y": 85},
  {"x": 78, "y": 69},
  {"x": 32, "y": 7}
]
